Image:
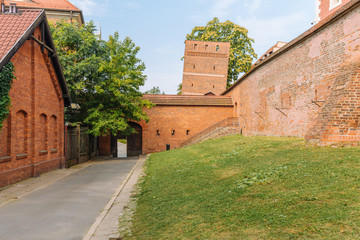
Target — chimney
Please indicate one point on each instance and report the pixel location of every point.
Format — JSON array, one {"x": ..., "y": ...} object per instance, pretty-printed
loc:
[
  {"x": 13, "y": 8},
  {"x": 2, "y": 6}
]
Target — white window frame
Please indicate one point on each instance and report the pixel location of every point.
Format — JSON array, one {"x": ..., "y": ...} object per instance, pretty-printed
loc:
[{"x": 334, "y": 4}]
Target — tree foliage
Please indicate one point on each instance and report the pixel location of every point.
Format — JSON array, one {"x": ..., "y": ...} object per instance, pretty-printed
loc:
[
  {"x": 179, "y": 89},
  {"x": 104, "y": 77},
  {"x": 6, "y": 79},
  {"x": 241, "y": 50},
  {"x": 154, "y": 90}
]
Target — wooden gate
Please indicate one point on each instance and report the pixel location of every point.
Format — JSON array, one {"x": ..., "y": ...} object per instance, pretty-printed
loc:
[
  {"x": 80, "y": 146},
  {"x": 134, "y": 141}
]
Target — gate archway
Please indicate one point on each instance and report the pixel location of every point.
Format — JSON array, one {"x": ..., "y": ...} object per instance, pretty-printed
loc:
[{"x": 134, "y": 141}]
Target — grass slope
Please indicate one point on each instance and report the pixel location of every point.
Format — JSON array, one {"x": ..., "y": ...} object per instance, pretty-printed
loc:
[{"x": 250, "y": 188}]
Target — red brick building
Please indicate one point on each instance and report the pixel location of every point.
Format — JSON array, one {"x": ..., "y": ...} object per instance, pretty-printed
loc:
[
  {"x": 325, "y": 8},
  {"x": 176, "y": 119},
  {"x": 309, "y": 88},
  {"x": 32, "y": 139},
  {"x": 54, "y": 9},
  {"x": 205, "y": 67}
]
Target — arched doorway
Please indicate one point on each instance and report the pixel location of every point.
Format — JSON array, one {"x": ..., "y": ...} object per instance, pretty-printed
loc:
[
  {"x": 134, "y": 141},
  {"x": 129, "y": 146}
]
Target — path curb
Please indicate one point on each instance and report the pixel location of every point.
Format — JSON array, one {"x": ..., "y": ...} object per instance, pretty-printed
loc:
[{"x": 110, "y": 204}]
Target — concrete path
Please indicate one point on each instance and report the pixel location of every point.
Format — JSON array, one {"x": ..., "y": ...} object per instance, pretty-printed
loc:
[
  {"x": 107, "y": 225},
  {"x": 67, "y": 208}
]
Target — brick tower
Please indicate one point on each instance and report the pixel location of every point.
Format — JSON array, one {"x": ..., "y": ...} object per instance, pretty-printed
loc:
[
  {"x": 205, "y": 67},
  {"x": 324, "y": 8}
]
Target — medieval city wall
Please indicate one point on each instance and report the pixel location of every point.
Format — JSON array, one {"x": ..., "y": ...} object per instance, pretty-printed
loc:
[
  {"x": 310, "y": 88},
  {"x": 186, "y": 121},
  {"x": 32, "y": 140}
]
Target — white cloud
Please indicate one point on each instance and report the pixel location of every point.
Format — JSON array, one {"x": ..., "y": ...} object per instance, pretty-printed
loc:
[
  {"x": 222, "y": 8},
  {"x": 253, "y": 5},
  {"x": 132, "y": 5},
  {"x": 266, "y": 32},
  {"x": 89, "y": 7}
]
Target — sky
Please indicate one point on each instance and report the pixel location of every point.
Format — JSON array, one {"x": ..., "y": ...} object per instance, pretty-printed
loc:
[{"x": 159, "y": 27}]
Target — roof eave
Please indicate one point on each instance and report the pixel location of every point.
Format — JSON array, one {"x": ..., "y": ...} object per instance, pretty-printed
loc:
[
  {"x": 57, "y": 66},
  {"x": 22, "y": 40}
]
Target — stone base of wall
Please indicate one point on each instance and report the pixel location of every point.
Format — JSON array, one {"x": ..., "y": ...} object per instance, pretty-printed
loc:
[{"x": 18, "y": 174}]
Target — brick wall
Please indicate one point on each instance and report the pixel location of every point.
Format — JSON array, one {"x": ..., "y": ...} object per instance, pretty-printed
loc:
[
  {"x": 186, "y": 121},
  {"x": 32, "y": 141},
  {"x": 205, "y": 67},
  {"x": 328, "y": 7},
  {"x": 308, "y": 89}
]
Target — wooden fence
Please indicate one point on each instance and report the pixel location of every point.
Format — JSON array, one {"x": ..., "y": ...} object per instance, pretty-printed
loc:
[{"x": 80, "y": 146}]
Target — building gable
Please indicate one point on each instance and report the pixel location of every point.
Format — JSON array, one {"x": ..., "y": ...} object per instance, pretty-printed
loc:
[{"x": 17, "y": 28}]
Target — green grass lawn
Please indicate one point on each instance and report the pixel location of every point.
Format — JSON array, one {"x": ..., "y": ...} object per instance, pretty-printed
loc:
[{"x": 250, "y": 188}]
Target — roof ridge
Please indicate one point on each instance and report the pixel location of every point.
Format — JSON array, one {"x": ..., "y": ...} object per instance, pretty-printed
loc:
[{"x": 72, "y": 5}]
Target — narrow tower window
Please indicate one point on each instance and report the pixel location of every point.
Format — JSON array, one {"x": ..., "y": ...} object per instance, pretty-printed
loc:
[
  {"x": 217, "y": 47},
  {"x": 195, "y": 46},
  {"x": 206, "y": 47}
]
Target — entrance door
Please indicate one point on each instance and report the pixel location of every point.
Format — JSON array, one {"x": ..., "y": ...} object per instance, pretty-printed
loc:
[{"x": 134, "y": 141}]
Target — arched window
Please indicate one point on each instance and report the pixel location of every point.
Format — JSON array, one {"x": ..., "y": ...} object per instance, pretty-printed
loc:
[
  {"x": 5, "y": 139},
  {"x": 43, "y": 128},
  {"x": 206, "y": 47},
  {"x": 21, "y": 133},
  {"x": 195, "y": 46},
  {"x": 54, "y": 134}
]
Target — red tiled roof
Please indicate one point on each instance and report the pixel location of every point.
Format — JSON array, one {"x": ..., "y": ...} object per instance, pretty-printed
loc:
[
  {"x": 45, "y": 4},
  {"x": 13, "y": 27},
  {"x": 185, "y": 100}
]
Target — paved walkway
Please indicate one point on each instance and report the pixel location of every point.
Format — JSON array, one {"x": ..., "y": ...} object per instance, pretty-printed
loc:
[{"x": 67, "y": 208}]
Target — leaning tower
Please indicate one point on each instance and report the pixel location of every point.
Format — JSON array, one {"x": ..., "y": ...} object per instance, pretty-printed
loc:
[{"x": 205, "y": 67}]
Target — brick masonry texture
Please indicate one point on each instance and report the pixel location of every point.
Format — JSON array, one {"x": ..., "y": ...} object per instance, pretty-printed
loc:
[
  {"x": 32, "y": 141},
  {"x": 175, "y": 119},
  {"x": 309, "y": 89},
  {"x": 325, "y": 10},
  {"x": 205, "y": 67},
  {"x": 186, "y": 121}
]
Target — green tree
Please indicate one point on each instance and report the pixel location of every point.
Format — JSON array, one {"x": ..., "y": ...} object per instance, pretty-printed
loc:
[
  {"x": 179, "y": 89},
  {"x": 104, "y": 77},
  {"x": 154, "y": 90},
  {"x": 241, "y": 51},
  {"x": 6, "y": 79}
]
